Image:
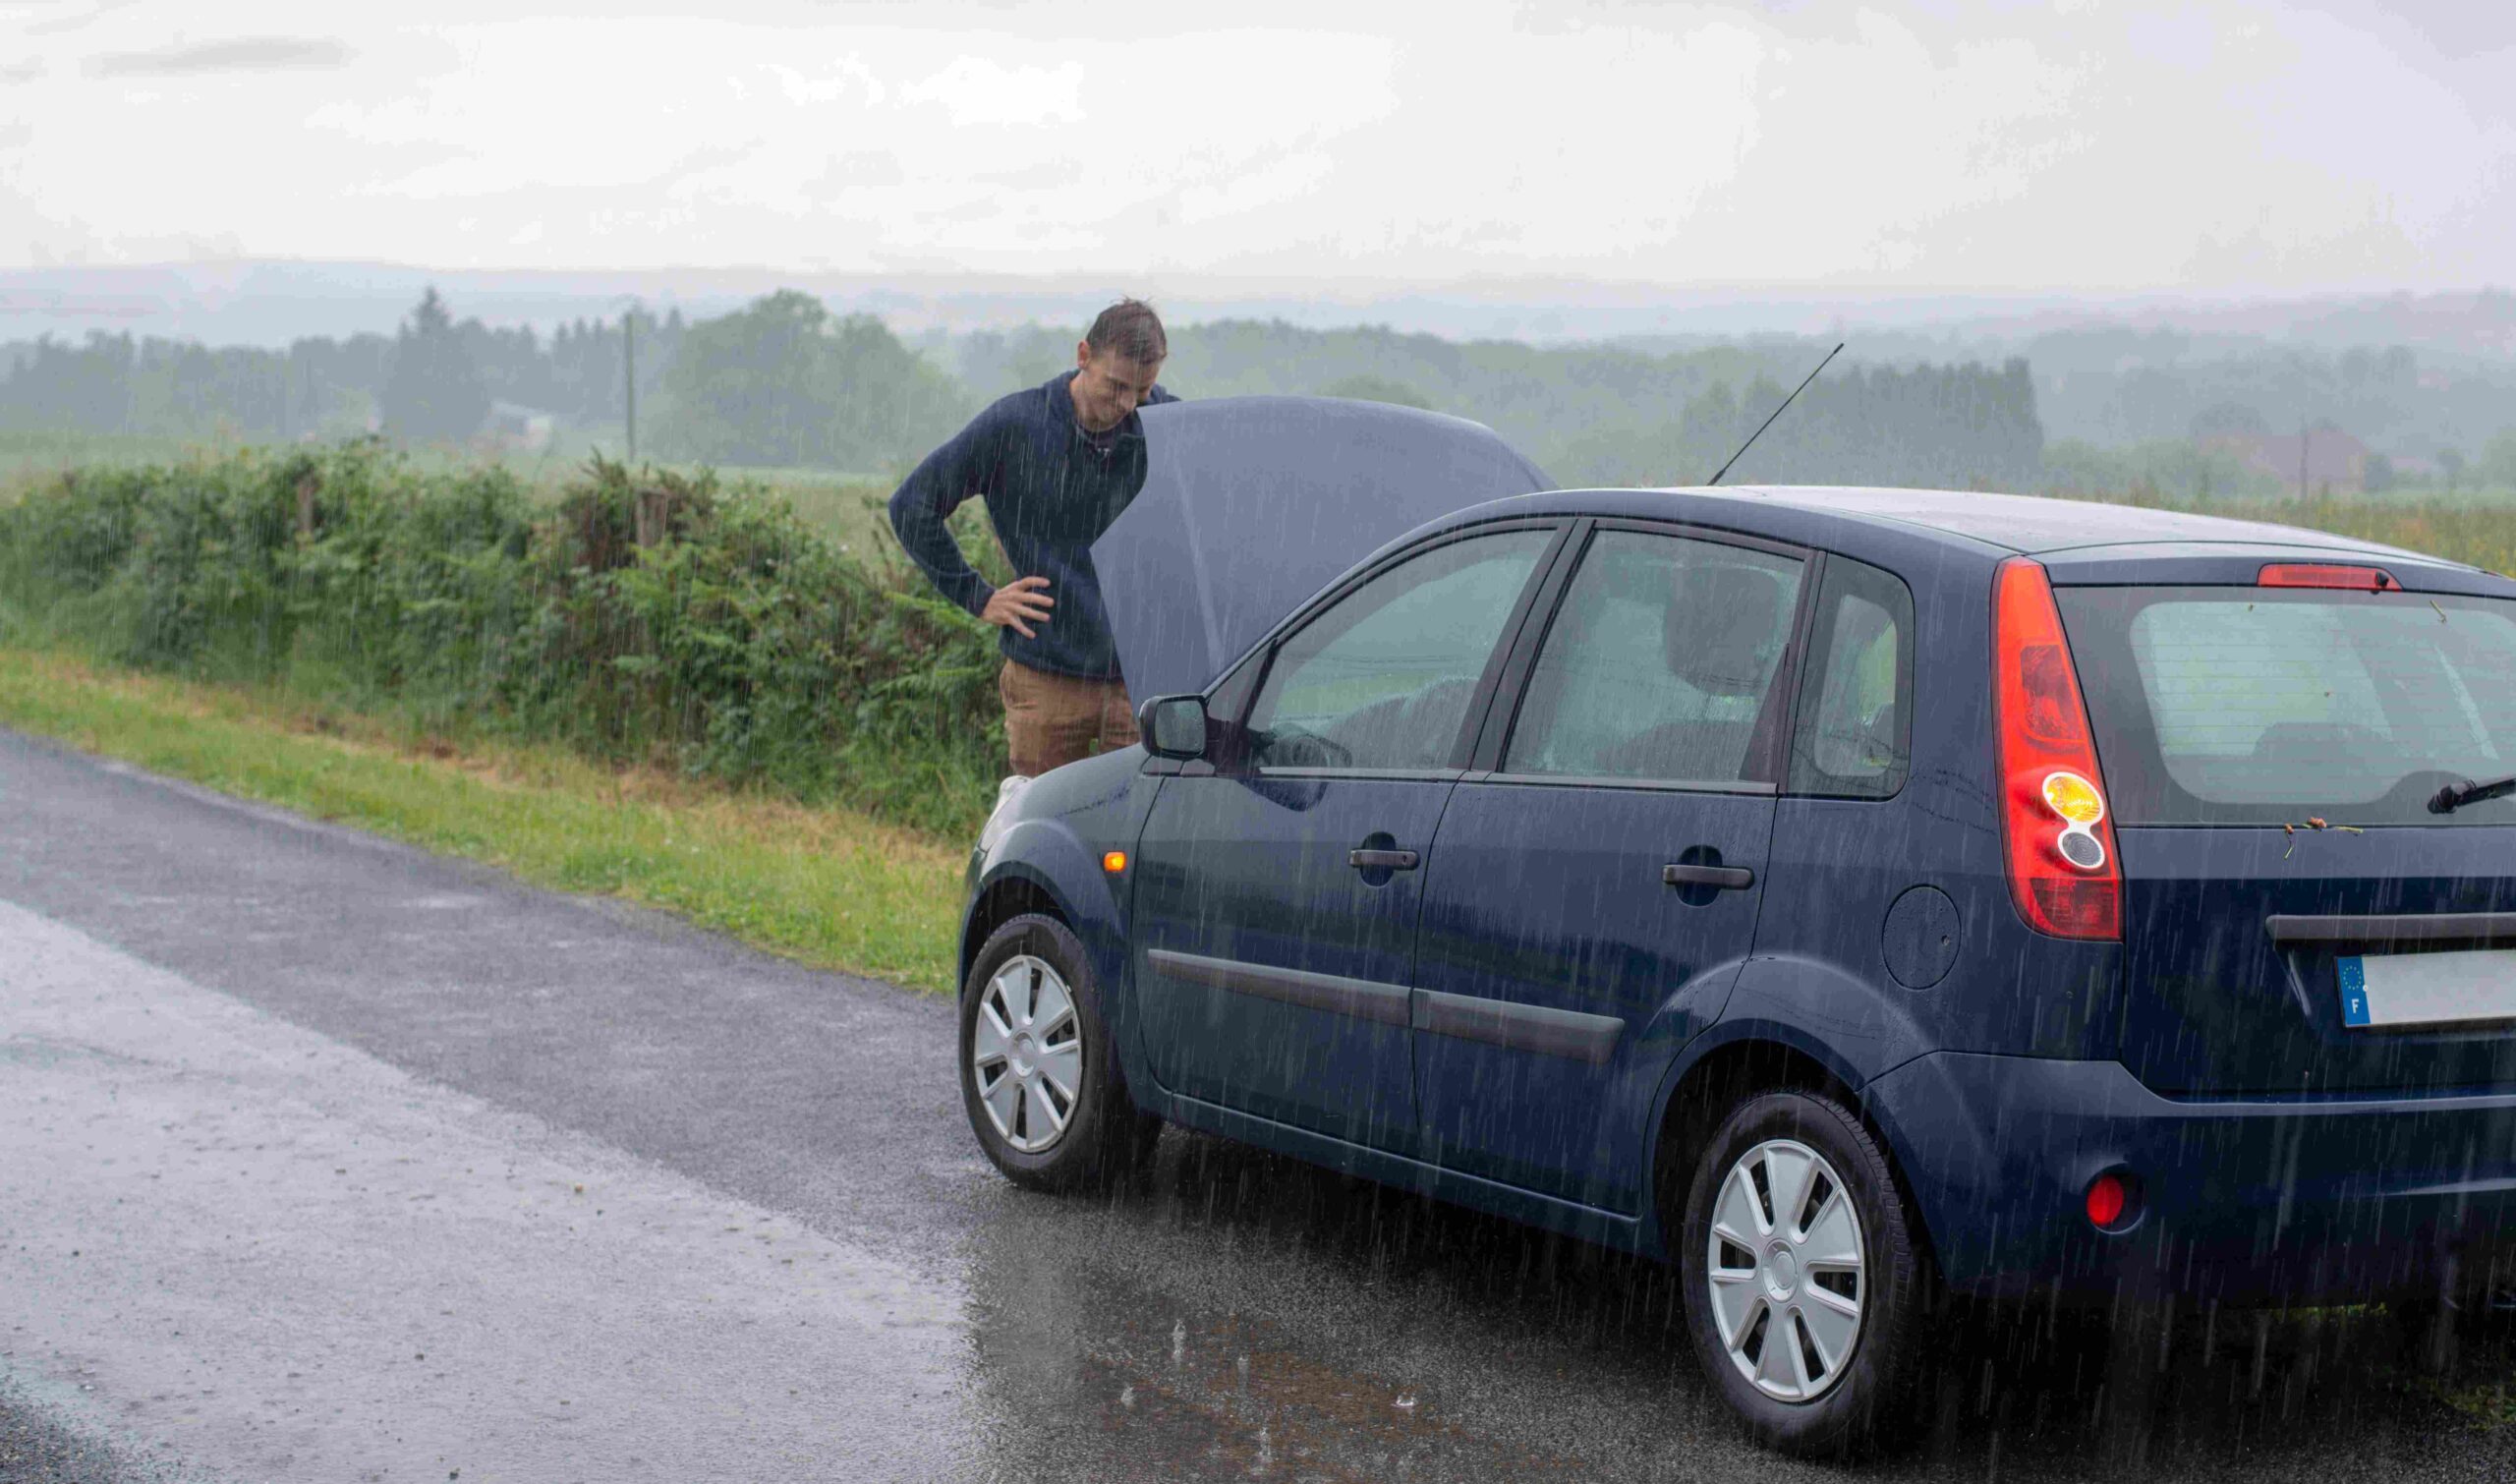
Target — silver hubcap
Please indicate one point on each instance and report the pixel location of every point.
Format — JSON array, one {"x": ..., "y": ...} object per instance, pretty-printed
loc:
[
  {"x": 1026, "y": 1054},
  {"x": 1786, "y": 1271}
]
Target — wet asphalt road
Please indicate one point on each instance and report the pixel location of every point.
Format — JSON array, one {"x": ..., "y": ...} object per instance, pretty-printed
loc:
[{"x": 323, "y": 1159}]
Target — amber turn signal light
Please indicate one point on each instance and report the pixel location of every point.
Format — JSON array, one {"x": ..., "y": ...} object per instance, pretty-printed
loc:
[{"x": 1115, "y": 862}]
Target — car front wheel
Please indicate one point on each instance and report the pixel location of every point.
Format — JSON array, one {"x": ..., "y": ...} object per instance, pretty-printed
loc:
[
  {"x": 1803, "y": 1284},
  {"x": 1038, "y": 1079}
]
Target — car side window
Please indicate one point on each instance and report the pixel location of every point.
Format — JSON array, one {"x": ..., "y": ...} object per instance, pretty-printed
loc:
[
  {"x": 1383, "y": 678},
  {"x": 1659, "y": 663},
  {"x": 1854, "y": 736}
]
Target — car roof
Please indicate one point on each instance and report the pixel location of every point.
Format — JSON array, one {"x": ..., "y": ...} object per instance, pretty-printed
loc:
[
  {"x": 2035, "y": 526},
  {"x": 1984, "y": 521}
]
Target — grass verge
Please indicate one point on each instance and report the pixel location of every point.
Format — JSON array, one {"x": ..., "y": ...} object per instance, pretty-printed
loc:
[{"x": 822, "y": 886}]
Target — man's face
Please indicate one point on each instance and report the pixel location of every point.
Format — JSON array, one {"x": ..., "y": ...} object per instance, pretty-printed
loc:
[{"x": 1107, "y": 386}]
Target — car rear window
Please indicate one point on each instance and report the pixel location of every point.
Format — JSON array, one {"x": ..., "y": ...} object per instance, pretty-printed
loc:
[
  {"x": 2257, "y": 705},
  {"x": 1854, "y": 737}
]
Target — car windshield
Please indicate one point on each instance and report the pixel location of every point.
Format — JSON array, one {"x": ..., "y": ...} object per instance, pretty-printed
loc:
[{"x": 2227, "y": 706}]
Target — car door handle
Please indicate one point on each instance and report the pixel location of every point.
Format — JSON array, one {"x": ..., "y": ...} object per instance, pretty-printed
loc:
[
  {"x": 1726, "y": 877},
  {"x": 1382, "y": 860}
]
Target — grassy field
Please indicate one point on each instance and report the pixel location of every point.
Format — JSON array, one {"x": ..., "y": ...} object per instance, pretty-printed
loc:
[
  {"x": 852, "y": 510},
  {"x": 28, "y": 456},
  {"x": 2476, "y": 529},
  {"x": 848, "y": 507},
  {"x": 822, "y": 886}
]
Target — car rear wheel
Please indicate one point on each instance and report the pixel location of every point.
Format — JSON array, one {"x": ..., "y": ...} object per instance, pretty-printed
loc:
[
  {"x": 1042, "y": 1089},
  {"x": 1803, "y": 1281}
]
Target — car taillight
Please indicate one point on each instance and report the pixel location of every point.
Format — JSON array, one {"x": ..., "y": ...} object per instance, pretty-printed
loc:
[{"x": 2054, "y": 826}]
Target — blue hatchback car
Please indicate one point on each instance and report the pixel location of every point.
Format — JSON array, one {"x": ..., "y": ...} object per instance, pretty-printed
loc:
[{"x": 1849, "y": 896}]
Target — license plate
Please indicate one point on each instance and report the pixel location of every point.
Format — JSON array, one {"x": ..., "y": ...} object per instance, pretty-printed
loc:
[{"x": 2428, "y": 988}]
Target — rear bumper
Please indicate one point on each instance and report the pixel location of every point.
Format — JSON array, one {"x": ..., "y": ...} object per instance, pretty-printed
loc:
[{"x": 2323, "y": 1200}]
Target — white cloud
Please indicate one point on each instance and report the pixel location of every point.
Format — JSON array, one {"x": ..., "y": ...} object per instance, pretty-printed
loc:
[
  {"x": 983, "y": 90},
  {"x": 833, "y": 80},
  {"x": 2238, "y": 144}
]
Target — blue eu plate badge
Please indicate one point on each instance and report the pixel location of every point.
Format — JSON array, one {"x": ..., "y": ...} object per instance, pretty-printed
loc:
[{"x": 2353, "y": 991}]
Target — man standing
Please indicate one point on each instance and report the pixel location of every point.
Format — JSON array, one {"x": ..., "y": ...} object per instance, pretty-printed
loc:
[{"x": 1055, "y": 465}]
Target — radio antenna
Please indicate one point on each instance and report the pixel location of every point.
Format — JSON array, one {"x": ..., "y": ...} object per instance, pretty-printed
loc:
[{"x": 1777, "y": 412}]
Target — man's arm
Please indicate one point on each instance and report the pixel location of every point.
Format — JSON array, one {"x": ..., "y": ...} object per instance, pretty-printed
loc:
[{"x": 963, "y": 467}]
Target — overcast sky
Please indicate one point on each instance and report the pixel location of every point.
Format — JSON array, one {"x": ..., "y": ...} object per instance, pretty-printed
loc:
[{"x": 2209, "y": 149}]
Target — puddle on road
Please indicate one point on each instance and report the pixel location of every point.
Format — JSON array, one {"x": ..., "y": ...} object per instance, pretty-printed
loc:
[{"x": 1237, "y": 1315}]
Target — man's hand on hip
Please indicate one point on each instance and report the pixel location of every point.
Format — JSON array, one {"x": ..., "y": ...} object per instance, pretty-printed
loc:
[{"x": 1018, "y": 605}]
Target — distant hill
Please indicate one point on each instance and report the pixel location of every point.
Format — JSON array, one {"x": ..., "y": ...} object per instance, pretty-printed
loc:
[
  {"x": 270, "y": 303},
  {"x": 1599, "y": 383}
]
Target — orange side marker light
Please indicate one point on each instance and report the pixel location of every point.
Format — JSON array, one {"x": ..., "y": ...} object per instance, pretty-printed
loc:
[{"x": 1115, "y": 862}]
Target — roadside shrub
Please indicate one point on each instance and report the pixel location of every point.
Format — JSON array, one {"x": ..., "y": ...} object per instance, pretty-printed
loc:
[{"x": 648, "y": 617}]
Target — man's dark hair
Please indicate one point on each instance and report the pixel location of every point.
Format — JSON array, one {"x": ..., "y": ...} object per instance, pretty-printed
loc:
[{"x": 1131, "y": 329}]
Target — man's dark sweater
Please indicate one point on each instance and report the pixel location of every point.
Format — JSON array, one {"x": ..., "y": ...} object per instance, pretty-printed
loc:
[{"x": 1050, "y": 489}]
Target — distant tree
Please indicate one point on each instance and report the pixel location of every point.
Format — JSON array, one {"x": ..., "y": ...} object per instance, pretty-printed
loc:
[
  {"x": 308, "y": 407},
  {"x": 1968, "y": 426},
  {"x": 783, "y": 382},
  {"x": 2378, "y": 476},
  {"x": 991, "y": 362},
  {"x": 434, "y": 390},
  {"x": 1367, "y": 388},
  {"x": 2221, "y": 420},
  {"x": 2452, "y": 462},
  {"x": 2498, "y": 460}
]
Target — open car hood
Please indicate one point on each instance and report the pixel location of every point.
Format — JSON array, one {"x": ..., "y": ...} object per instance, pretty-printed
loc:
[{"x": 1252, "y": 504}]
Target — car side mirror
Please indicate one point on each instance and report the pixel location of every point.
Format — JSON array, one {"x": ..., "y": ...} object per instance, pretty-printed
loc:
[{"x": 1174, "y": 727}]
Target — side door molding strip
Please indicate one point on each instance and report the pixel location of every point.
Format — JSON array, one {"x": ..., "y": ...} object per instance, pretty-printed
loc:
[
  {"x": 1536, "y": 1028},
  {"x": 1362, "y": 999},
  {"x": 1542, "y": 1029}
]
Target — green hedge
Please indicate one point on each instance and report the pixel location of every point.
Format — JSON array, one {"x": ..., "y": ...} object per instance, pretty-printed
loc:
[{"x": 647, "y": 618}]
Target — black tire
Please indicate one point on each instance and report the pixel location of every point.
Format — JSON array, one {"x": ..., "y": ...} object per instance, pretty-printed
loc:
[
  {"x": 2428, "y": 1329},
  {"x": 1874, "y": 1390},
  {"x": 1104, "y": 1135},
  {"x": 2441, "y": 1315}
]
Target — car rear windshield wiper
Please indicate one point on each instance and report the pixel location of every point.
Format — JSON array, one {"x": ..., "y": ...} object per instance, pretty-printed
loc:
[{"x": 2457, "y": 795}]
